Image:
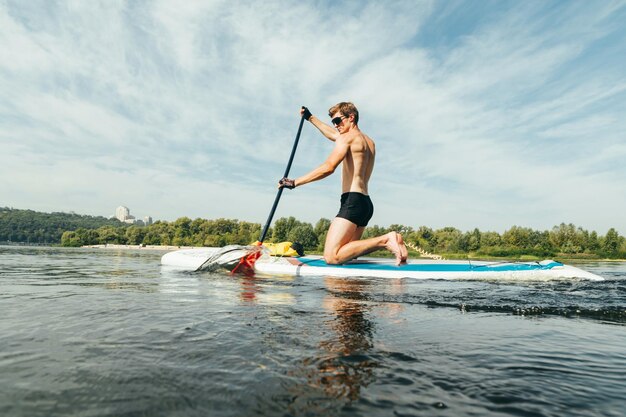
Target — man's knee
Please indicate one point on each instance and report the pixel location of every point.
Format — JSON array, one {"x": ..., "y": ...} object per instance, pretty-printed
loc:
[{"x": 331, "y": 258}]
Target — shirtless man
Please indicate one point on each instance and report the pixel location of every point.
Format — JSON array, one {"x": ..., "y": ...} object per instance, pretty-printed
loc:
[{"x": 357, "y": 152}]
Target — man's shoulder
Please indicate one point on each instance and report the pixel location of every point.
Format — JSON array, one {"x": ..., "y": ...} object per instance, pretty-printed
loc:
[
  {"x": 357, "y": 143},
  {"x": 355, "y": 136}
]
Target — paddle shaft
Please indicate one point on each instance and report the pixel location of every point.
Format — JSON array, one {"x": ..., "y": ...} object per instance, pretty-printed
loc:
[{"x": 280, "y": 190}]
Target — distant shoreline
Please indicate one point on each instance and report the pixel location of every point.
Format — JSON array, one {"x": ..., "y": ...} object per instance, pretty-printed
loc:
[{"x": 140, "y": 247}]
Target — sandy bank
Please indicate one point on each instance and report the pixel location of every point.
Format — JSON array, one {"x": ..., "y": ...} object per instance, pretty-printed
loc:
[{"x": 140, "y": 247}]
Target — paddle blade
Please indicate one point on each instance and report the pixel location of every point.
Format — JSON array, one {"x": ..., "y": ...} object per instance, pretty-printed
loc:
[
  {"x": 227, "y": 257},
  {"x": 246, "y": 263}
]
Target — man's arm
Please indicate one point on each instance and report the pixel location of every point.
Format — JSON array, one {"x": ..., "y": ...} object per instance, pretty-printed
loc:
[
  {"x": 328, "y": 167},
  {"x": 327, "y": 130}
]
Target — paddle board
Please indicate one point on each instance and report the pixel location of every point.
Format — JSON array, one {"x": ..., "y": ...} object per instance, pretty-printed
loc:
[{"x": 196, "y": 259}]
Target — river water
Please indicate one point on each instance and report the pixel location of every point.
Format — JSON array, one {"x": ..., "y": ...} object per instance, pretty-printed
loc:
[{"x": 95, "y": 332}]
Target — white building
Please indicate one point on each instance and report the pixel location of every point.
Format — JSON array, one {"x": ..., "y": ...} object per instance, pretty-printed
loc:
[{"x": 122, "y": 213}]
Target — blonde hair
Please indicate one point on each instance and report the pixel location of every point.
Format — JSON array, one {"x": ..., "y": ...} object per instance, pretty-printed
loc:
[{"x": 346, "y": 109}]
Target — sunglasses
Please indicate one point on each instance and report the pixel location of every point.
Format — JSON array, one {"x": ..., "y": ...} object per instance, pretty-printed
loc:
[{"x": 337, "y": 120}]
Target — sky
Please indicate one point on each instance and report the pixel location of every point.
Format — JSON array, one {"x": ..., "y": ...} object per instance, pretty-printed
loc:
[{"x": 486, "y": 114}]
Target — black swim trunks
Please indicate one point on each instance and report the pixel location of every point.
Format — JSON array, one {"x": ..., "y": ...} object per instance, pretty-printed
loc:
[{"x": 357, "y": 208}]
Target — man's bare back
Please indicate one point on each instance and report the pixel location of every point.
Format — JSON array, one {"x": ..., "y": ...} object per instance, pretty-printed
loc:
[
  {"x": 358, "y": 164},
  {"x": 356, "y": 152}
]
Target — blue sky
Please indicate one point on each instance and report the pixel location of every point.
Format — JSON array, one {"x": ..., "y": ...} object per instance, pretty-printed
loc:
[{"x": 486, "y": 114}]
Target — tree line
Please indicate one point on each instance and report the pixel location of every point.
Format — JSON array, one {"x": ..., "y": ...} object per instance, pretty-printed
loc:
[
  {"x": 69, "y": 229},
  {"x": 32, "y": 227},
  {"x": 561, "y": 240}
]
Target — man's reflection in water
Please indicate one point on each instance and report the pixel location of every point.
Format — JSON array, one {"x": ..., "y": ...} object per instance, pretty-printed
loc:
[{"x": 347, "y": 367}]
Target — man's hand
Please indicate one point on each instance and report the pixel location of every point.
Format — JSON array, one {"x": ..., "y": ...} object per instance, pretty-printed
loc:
[
  {"x": 304, "y": 112},
  {"x": 287, "y": 183}
]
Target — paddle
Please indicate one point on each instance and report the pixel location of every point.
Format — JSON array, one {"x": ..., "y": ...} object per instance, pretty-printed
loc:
[
  {"x": 280, "y": 190},
  {"x": 247, "y": 262}
]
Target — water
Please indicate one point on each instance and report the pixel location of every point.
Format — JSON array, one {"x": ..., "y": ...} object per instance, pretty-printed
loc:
[{"x": 108, "y": 333}]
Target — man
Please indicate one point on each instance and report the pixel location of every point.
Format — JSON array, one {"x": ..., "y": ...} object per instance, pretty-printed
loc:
[{"x": 357, "y": 152}]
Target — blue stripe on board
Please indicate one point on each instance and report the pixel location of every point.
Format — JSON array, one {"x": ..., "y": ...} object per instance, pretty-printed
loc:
[{"x": 433, "y": 267}]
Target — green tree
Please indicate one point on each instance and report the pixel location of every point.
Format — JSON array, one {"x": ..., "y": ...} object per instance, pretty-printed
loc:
[
  {"x": 422, "y": 237},
  {"x": 447, "y": 240},
  {"x": 162, "y": 232},
  {"x": 592, "y": 243},
  {"x": 135, "y": 235},
  {"x": 517, "y": 237},
  {"x": 470, "y": 241},
  {"x": 90, "y": 237},
  {"x": 399, "y": 228},
  {"x": 567, "y": 238},
  {"x": 151, "y": 238},
  {"x": 224, "y": 226},
  {"x": 321, "y": 230},
  {"x": 542, "y": 245},
  {"x": 611, "y": 243},
  {"x": 373, "y": 231},
  {"x": 490, "y": 239},
  {"x": 247, "y": 233},
  {"x": 71, "y": 239},
  {"x": 282, "y": 227},
  {"x": 215, "y": 241},
  {"x": 425, "y": 233},
  {"x": 303, "y": 234},
  {"x": 108, "y": 234},
  {"x": 182, "y": 228}
]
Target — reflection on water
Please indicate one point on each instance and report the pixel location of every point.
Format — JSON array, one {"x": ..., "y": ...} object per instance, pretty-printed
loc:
[
  {"x": 249, "y": 289},
  {"x": 255, "y": 290}
]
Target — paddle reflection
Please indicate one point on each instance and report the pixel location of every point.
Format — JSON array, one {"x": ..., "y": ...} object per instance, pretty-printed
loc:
[
  {"x": 254, "y": 290},
  {"x": 249, "y": 289}
]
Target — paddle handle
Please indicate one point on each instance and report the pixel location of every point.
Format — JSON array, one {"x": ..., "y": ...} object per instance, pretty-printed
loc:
[{"x": 280, "y": 190}]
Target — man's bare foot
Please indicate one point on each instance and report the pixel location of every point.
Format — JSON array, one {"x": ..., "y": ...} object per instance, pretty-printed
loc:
[
  {"x": 404, "y": 253},
  {"x": 394, "y": 245}
]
